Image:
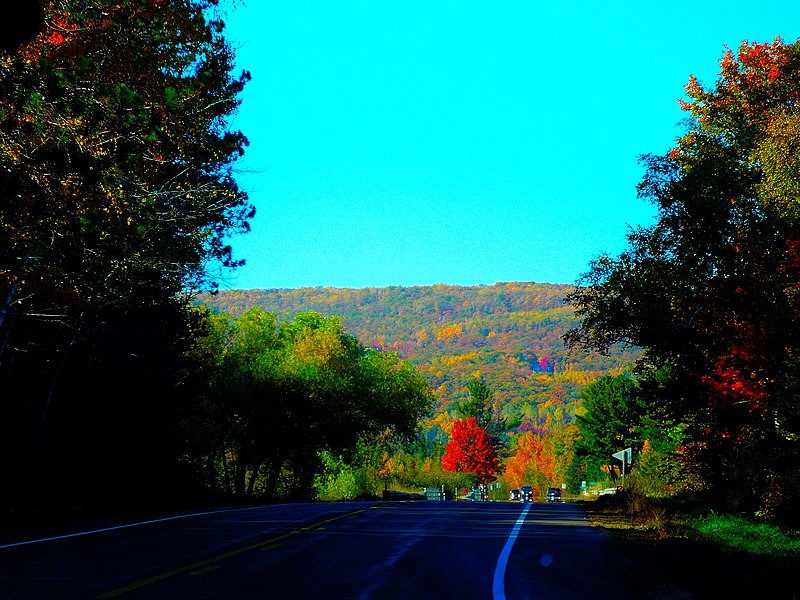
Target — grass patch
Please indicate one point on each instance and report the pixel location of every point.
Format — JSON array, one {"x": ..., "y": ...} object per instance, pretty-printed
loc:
[{"x": 735, "y": 533}]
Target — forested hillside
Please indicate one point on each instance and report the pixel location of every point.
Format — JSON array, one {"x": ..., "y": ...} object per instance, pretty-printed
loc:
[{"x": 510, "y": 334}]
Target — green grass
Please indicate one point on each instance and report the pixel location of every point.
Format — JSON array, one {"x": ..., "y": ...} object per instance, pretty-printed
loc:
[{"x": 739, "y": 534}]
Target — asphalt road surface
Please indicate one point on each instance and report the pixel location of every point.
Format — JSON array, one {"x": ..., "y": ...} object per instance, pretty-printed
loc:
[{"x": 420, "y": 550}]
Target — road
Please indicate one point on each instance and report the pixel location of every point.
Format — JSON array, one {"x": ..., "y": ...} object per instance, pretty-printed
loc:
[{"x": 388, "y": 550}]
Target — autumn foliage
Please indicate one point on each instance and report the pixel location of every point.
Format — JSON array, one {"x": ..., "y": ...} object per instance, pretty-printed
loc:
[
  {"x": 507, "y": 334},
  {"x": 533, "y": 463},
  {"x": 710, "y": 291},
  {"x": 470, "y": 450}
]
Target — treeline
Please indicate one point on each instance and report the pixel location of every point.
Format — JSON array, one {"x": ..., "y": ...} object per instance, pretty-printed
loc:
[
  {"x": 510, "y": 335},
  {"x": 274, "y": 405},
  {"x": 505, "y": 339}
]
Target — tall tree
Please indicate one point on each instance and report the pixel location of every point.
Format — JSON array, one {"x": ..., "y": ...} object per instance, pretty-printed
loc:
[
  {"x": 709, "y": 291},
  {"x": 533, "y": 463},
  {"x": 612, "y": 414},
  {"x": 117, "y": 197},
  {"x": 116, "y": 177}
]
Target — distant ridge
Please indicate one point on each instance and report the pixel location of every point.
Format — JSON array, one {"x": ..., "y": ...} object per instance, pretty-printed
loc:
[{"x": 508, "y": 333}]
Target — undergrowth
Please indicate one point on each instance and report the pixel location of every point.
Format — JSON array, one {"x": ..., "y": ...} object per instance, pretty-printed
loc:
[
  {"x": 661, "y": 518},
  {"x": 736, "y": 533}
]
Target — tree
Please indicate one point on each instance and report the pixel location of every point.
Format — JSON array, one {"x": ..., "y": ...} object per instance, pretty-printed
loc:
[
  {"x": 612, "y": 413},
  {"x": 470, "y": 450},
  {"x": 478, "y": 405},
  {"x": 117, "y": 196},
  {"x": 533, "y": 463},
  {"x": 709, "y": 290},
  {"x": 280, "y": 396},
  {"x": 116, "y": 178}
]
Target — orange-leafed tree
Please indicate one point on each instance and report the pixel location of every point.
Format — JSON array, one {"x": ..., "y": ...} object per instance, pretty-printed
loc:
[
  {"x": 533, "y": 463},
  {"x": 470, "y": 450}
]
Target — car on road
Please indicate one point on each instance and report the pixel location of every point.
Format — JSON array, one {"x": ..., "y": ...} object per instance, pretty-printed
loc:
[
  {"x": 526, "y": 494},
  {"x": 553, "y": 495},
  {"x": 514, "y": 494}
]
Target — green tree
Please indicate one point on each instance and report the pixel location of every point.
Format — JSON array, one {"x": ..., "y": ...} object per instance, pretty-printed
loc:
[
  {"x": 479, "y": 405},
  {"x": 117, "y": 181},
  {"x": 337, "y": 479},
  {"x": 612, "y": 413},
  {"x": 709, "y": 290},
  {"x": 278, "y": 395}
]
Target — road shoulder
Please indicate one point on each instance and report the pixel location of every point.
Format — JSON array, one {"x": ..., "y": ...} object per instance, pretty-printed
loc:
[{"x": 653, "y": 564}]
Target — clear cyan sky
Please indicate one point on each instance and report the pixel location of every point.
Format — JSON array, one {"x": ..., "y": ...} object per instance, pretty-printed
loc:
[{"x": 414, "y": 143}]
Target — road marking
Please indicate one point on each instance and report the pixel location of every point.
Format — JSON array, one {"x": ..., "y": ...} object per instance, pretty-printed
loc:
[
  {"x": 198, "y": 566},
  {"x": 498, "y": 584},
  {"x": 116, "y": 527},
  {"x": 204, "y": 571}
]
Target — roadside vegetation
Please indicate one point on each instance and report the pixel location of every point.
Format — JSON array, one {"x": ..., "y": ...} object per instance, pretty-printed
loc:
[
  {"x": 709, "y": 292},
  {"x": 737, "y": 533}
]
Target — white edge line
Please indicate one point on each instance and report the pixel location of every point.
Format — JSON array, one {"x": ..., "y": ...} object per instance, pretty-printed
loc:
[
  {"x": 498, "y": 584},
  {"x": 82, "y": 533}
]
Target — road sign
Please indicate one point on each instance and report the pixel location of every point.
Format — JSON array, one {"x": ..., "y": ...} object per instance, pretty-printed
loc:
[{"x": 624, "y": 455}]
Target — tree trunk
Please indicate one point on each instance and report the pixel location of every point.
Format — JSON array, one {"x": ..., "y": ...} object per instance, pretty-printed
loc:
[
  {"x": 239, "y": 476},
  {"x": 273, "y": 474},
  {"x": 226, "y": 473},
  {"x": 5, "y": 332},
  {"x": 251, "y": 484}
]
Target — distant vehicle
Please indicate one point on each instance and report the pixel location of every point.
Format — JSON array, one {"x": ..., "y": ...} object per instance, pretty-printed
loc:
[
  {"x": 513, "y": 494},
  {"x": 526, "y": 494},
  {"x": 553, "y": 495}
]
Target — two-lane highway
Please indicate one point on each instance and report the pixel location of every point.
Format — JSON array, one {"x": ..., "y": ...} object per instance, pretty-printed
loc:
[{"x": 409, "y": 550}]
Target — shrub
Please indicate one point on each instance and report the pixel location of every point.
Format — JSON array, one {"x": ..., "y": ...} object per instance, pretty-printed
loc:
[{"x": 337, "y": 481}]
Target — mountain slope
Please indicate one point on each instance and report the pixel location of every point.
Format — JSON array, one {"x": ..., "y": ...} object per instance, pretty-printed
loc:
[{"x": 508, "y": 333}]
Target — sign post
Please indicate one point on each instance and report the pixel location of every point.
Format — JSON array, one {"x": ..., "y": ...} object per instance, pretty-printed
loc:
[{"x": 625, "y": 456}]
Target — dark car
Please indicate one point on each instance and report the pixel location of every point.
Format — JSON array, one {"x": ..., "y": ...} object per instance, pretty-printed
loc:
[
  {"x": 526, "y": 494},
  {"x": 553, "y": 495},
  {"x": 513, "y": 494}
]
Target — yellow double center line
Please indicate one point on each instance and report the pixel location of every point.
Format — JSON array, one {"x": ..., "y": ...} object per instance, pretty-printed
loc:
[{"x": 210, "y": 561}]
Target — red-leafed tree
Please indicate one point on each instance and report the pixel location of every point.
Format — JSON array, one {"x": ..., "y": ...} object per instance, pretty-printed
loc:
[{"x": 470, "y": 450}]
